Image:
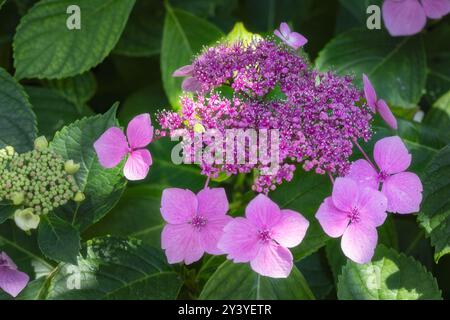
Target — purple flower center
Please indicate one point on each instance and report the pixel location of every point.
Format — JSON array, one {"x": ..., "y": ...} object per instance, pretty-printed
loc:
[
  {"x": 264, "y": 236},
  {"x": 198, "y": 222},
  {"x": 353, "y": 215},
  {"x": 382, "y": 176}
]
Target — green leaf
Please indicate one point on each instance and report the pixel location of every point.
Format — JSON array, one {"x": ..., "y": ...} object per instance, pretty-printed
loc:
[
  {"x": 390, "y": 276},
  {"x": 78, "y": 90},
  {"x": 115, "y": 268},
  {"x": 240, "y": 33},
  {"x": 318, "y": 275},
  {"x": 136, "y": 215},
  {"x": 58, "y": 239},
  {"x": 435, "y": 211},
  {"x": 184, "y": 36},
  {"x": 239, "y": 282},
  {"x": 439, "y": 116},
  {"x": 2, "y": 2},
  {"x": 6, "y": 211},
  {"x": 53, "y": 111},
  {"x": 45, "y": 48},
  {"x": 33, "y": 291},
  {"x": 142, "y": 34},
  {"x": 17, "y": 120},
  {"x": 102, "y": 187},
  {"x": 304, "y": 194},
  {"x": 386, "y": 60}
]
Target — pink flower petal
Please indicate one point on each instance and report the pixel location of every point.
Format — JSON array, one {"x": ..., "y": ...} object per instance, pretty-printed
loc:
[
  {"x": 345, "y": 194},
  {"x": 178, "y": 205},
  {"x": 364, "y": 174},
  {"x": 285, "y": 30},
  {"x": 212, "y": 232},
  {"x": 12, "y": 281},
  {"x": 372, "y": 206},
  {"x": 184, "y": 71},
  {"x": 263, "y": 212},
  {"x": 182, "y": 242},
  {"x": 240, "y": 240},
  {"x": 212, "y": 202},
  {"x": 403, "y": 18},
  {"x": 436, "y": 9},
  {"x": 273, "y": 261},
  {"x": 333, "y": 221},
  {"x": 291, "y": 229},
  {"x": 296, "y": 40},
  {"x": 279, "y": 35},
  {"x": 386, "y": 114},
  {"x": 6, "y": 261},
  {"x": 391, "y": 155},
  {"x": 358, "y": 242},
  {"x": 140, "y": 131},
  {"x": 404, "y": 192},
  {"x": 191, "y": 84},
  {"x": 111, "y": 147},
  {"x": 137, "y": 165},
  {"x": 369, "y": 92}
]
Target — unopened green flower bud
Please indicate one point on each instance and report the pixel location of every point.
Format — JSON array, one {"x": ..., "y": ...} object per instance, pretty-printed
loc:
[
  {"x": 40, "y": 143},
  {"x": 9, "y": 150},
  {"x": 17, "y": 198},
  {"x": 26, "y": 219},
  {"x": 79, "y": 197},
  {"x": 71, "y": 167}
]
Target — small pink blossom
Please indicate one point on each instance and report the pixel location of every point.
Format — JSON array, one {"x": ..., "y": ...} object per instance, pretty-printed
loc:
[
  {"x": 12, "y": 281},
  {"x": 378, "y": 105},
  {"x": 194, "y": 223},
  {"x": 263, "y": 236},
  {"x": 293, "y": 39},
  {"x": 408, "y": 17},
  {"x": 113, "y": 146},
  {"x": 402, "y": 189},
  {"x": 354, "y": 213},
  {"x": 190, "y": 84}
]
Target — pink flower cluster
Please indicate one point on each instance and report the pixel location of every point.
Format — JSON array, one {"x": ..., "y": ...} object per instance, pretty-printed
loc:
[{"x": 318, "y": 115}]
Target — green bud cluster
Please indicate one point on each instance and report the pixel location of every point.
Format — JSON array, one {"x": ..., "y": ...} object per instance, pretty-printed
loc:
[{"x": 39, "y": 180}]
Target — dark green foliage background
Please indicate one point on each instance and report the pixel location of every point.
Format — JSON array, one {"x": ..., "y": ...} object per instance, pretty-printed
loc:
[{"x": 64, "y": 85}]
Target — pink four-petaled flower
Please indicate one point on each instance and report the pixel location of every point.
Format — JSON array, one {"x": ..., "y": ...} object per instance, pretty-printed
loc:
[
  {"x": 293, "y": 39},
  {"x": 113, "y": 146},
  {"x": 12, "y": 281},
  {"x": 353, "y": 213},
  {"x": 378, "y": 105},
  {"x": 408, "y": 17},
  {"x": 194, "y": 223},
  {"x": 263, "y": 236},
  {"x": 402, "y": 189}
]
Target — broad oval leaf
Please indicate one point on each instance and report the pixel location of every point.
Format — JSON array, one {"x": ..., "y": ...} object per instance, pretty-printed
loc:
[
  {"x": 390, "y": 276},
  {"x": 435, "y": 211},
  {"x": 439, "y": 116},
  {"x": 58, "y": 239},
  {"x": 386, "y": 60},
  {"x": 102, "y": 187},
  {"x": 239, "y": 282},
  {"x": 114, "y": 268},
  {"x": 17, "y": 120},
  {"x": 44, "y": 47},
  {"x": 78, "y": 89},
  {"x": 184, "y": 36}
]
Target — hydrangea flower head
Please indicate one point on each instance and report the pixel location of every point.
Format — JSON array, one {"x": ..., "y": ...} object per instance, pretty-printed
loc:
[
  {"x": 194, "y": 223},
  {"x": 113, "y": 146},
  {"x": 402, "y": 189},
  {"x": 12, "y": 281},
  {"x": 291, "y": 38},
  {"x": 378, "y": 105},
  {"x": 354, "y": 213},
  {"x": 264, "y": 236},
  {"x": 408, "y": 17}
]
